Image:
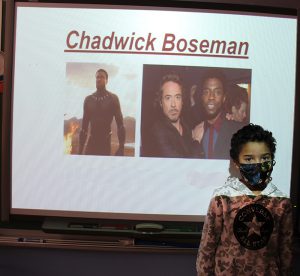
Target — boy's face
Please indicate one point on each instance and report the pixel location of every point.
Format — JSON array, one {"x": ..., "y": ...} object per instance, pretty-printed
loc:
[{"x": 254, "y": 152}]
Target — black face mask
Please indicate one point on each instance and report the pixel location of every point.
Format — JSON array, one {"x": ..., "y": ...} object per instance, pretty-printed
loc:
[{"x": 257, "y": 174}]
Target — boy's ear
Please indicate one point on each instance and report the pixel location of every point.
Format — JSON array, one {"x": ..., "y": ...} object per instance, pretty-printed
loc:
[
  {"x": 234, "y": 169},
  {"x": 236, "y": 164}
]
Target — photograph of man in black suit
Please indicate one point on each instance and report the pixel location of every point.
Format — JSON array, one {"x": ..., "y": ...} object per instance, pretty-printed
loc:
[
  {"x": 216, "y": 128},
  {"x": 170, "y": 135}
]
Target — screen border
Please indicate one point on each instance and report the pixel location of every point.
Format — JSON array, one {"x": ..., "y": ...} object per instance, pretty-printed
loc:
[{"x": 6, "y": 213}]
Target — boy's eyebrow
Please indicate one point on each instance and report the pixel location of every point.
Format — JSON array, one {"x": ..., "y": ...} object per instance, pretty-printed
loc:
[{"x": 250, "y": 155}]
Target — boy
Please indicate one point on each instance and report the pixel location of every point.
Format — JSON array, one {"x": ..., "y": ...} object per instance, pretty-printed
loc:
[{"x": 248, "y": 228}]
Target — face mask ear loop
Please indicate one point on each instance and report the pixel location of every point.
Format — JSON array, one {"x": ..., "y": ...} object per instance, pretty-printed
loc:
[{"x": 270, "y": 177}]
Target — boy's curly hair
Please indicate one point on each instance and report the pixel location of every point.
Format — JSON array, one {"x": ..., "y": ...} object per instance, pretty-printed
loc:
[{"x": 251, "y": 133}]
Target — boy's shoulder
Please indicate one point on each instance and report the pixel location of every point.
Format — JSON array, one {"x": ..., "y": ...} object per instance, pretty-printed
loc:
[
  {"x": 232, "y": 187},
  {"x": 272, "y": 191}
]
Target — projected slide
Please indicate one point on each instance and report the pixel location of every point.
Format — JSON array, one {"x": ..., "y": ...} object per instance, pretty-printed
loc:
[{"x": 119, "y": 103}]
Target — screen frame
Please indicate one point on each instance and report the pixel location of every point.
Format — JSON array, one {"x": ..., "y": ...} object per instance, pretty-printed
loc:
[{"x": 7, "y": 215}]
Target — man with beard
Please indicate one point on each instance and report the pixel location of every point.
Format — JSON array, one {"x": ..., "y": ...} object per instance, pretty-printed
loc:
[
  {"x": 99, "y": 109},
  {"x": 171, "y": 137},
  {"x": 217, "y": 130}
]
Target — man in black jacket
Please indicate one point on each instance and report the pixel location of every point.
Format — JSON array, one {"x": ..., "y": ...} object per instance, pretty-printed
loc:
[
  {"x": 171, "y": 137},
  {"x": 217, "y": 130}
]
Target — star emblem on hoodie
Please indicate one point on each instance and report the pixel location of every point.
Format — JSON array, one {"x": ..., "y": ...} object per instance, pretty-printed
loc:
[{"x": 253, "y": 226}]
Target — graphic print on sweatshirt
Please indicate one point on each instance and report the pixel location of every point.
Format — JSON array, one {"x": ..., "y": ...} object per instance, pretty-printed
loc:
[{"x": 253, "y": 226}]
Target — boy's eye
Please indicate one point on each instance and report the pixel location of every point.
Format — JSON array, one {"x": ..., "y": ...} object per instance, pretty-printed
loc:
[
  {"x": 248, "y": 159},
  {"x": 266, "y": 158}
]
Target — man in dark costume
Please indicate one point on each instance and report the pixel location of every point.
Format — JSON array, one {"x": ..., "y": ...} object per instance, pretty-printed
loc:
[{"x": 99, "y": 109}]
